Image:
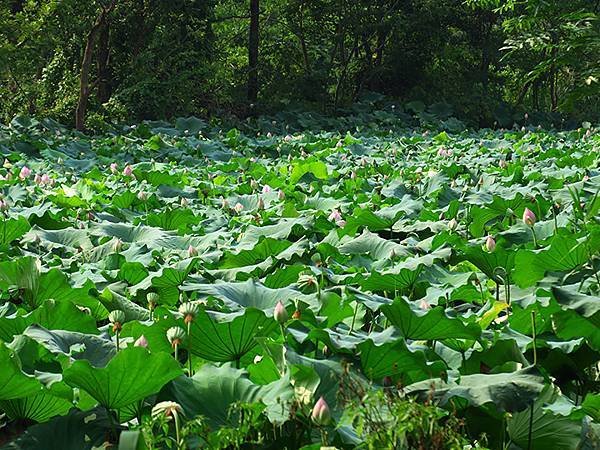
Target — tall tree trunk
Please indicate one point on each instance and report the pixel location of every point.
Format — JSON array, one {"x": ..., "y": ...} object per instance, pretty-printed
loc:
[
  {"x": 104, "y": 84},
  {"x": 84, "y": 77},
  {"x": 253, "y": 51}
]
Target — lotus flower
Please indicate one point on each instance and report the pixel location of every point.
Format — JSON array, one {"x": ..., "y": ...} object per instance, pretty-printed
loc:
[
  {"x": 490, "y": 244},
  {"x": 529, "y": 217},
  {"x": 24, "y": 173},
  {"x": 192, "y": 251},
  {"x": 287, "y": 138},
  {"x": 128, "y": 171},
  {"x": 280, "y": 314},
  {"x": 167, "y": 408},
  {"x": 266, "y": 189},
  {"x": 141, "y": 342},
  {"x": 189, "y": 310},
  {"x": 46, "y": 179},
  {"x": 142, "y": 196},
  {"x": 238, "y": 208},
  {"x": 321, "y": 415},
  {"x": 114, "y": 168}
]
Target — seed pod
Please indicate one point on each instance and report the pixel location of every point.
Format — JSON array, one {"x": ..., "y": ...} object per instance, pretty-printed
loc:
[
  {"x": 189, "y": 310},
  {"x": 175, "y": 335}
]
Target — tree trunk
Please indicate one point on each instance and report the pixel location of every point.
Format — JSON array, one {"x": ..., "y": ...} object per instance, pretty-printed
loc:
[
  {"x": 84, "y": 77},
  {"x": 253, "y": 51},
  {"x": 104, "y": 85}
]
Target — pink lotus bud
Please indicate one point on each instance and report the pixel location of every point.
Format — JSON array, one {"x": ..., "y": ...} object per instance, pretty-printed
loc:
[
  {"x": 339, "y": 144},
  {"x": 254, "y": 184},
  {"x": 142, "y": 196},
  {"x": 46, "y": 179},
  {"x": 114, "y": 168},
  {"x": 238, "y": 208},
  {"x": 442, "y": 152},
  {"x": 117, "y": 245},
  {"x": 183, "y": 202},
  {"x": 260, "y": 204},
  {"x": 280, "y": 314},
  {"x": 281, "y": 195},
  {"x": 529, "y": 217},
  {"x": 502, "y": 163},
  {"x": 490, "y": 244},
  {"x": 141, "y": 342},
  {"x": 266, "y": 189},
  {"x": 320, "y": 413},
  {"x": 340, "y": 223},
  {"x": 353, "y": 175},
  {"x": 192, "y": 251},
  {"x": 335, "y": 215},
  {"x": 424, "y": 304},
  {"x": 128, "y": 171},
  {"x": 37, "y": 179},
  {"x": 24, "y": 173},
  {"x": 287, "y": 138}
]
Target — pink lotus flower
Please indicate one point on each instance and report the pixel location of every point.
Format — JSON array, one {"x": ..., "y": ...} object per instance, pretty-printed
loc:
[
  {"x": 141, "y": 342},
  {"x": 114, "y": 168},
  {"x": 335, "y": 215},
  {"x": 321, "y": 415},
  {"x": 266, "y": 189},
  {"x": 24, "y": 173},
  {"x": 46, "y": 179},
  {"x": 128, "y": 171},
  {"x": 490, "y": 244},
  {"x": 340, "y": 223},
  {"x": 529, "y": 217},
  {"x": 280, "y": 314}
]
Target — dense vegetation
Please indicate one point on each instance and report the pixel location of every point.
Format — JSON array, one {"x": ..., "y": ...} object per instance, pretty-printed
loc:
[
  {"x": 486, "y": 61},
  {"x": 188, "y": 286}
]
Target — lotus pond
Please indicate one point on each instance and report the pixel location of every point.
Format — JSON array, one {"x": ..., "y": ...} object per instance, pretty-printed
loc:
[{"x": 178, "y": 285}]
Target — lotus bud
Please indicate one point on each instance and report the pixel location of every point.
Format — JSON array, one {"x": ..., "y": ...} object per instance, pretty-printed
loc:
[
  {"x": 321, "y": 415},
  {"x": 261, "y": 204},
  {"x": 175, "y": 336},
  {"x": 529, "y": 217},
  {"x": 141, "y": 342},
  {"x": 353, "y": 175},
  {"x": 490, "y": 244},
  {"x": 502, "y": 163},
  {"x": 60, "y": 161},
  {"x": 238, "y": 208},
  {"x": 167, "y": 408},
  {"x": 24, "y": 173},
  {"x": 192, "y": 251},
  {"x": 280, "y": 314},
  {"x": 257, "y": 359},
  {"x": 114, "y": 168},
  {"x": 3, "y": 205},
  {"x": 281, "y": 195},
  {"x": 45, "y": 179},
  {"x": 152, "y": 299},
  {"x": 117, "y": 245},
  {"x": 183, "y": 202},
  {"x": 37, "y": 179},
  {"x": 116, "y": 318},
  {"x": 335, "y": 215},
  {"x": 254, "y": 184},
  {"x": 452, "y": 224},
  {"x": 224, "y": 203},
  {"x": 266, "y": 189},
  {"x": 9, "y": 176},
  {"x": 142, "y": 196},
  {"x": 189, "y": 310},
  {"x": 128, "y": 171}
]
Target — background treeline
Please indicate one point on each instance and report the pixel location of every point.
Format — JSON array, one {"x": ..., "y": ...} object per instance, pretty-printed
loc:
[{"x": 127, "y": 60}]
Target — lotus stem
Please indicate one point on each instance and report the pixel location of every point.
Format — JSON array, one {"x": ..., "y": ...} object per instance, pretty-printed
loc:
[
  {"x": 353, "y": 318},
  {"x": 529, "y": 436},
  {"x": 535, "y": 244},
  {"x": 118, "y": 343},
  {"x": 533, "y": 331},
  {"x": 189, "y": 332},
  {"x": 177, "y": 437}
]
